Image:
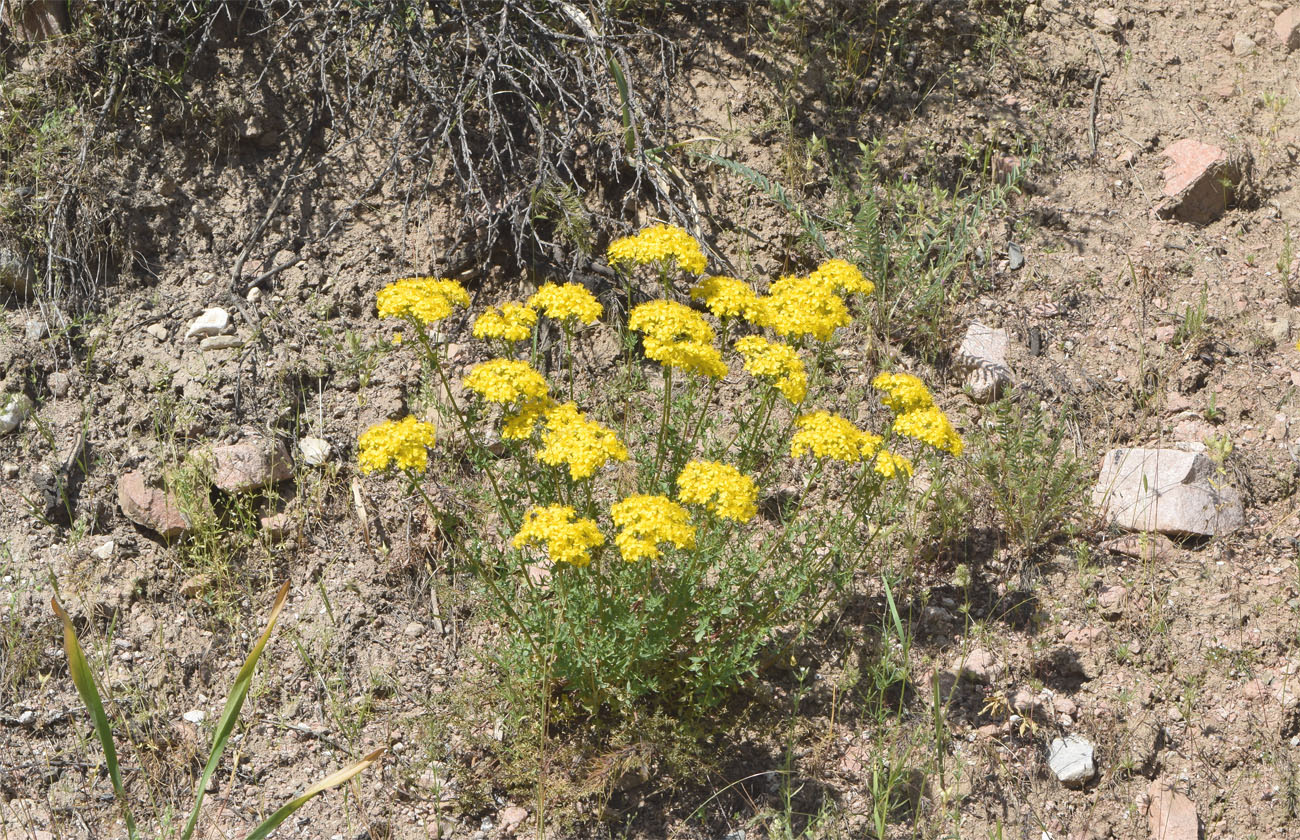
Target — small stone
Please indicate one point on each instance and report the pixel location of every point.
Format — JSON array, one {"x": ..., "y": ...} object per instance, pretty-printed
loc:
[
  {"x": 248, "y": 465},
  {"x": 1287, "y": 28},
  {"x": 413, "y": 630},
  {"x": 35, "y": 329},
  {"x": 1171, "y": 815},
  {"x": 14, "y": 409},
  {"x": 1201, "y": 181},
  {"x": 983, "y": 355},
  {"x": 1242, "y": 45},
  {"x": 194, "y": 586},
  {"x": 1143, "y": 546},
  {"x": 1141, "y": 742},
  {"x": 314, "y": 451},
  {"x": 158, "y": 331},
  {"x": 150, "y": 507},
  {"x": 1105, "y": 19},
  {"x": 104, "y": 551},
  {"x": 1070, "y": 759},
  {"x": 27, "y": 718},
  {"x": 277, "y": 526},
  {"x": 16, "y": 272},
  {"x": 195, "y": 716},
  {"x": 511, "y": 817},
  {"x": 59, "y": 383},
  {"x": 213, "y": 321},
  {"x": 1015, "y": 256},
  {"x": 1166, "y": 490},
  {"x": 1111, "y": 600},
  {"x": 11, "y": 471},
  {"x": 220, "y": 342},
  {"x": 254, "y": 295},
  {"x": 979, "y": 665}
]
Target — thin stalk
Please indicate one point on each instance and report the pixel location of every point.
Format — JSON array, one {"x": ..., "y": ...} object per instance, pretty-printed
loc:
[
  {"x": 568, "y": 353},
  {"x": 663, "y": 420}
]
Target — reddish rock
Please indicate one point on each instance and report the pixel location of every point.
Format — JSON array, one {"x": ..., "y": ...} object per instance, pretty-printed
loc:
[
  {"x": 277, "y": 526},
  {"x": 250, "y": 464},
  {"x": 979, "y": 665},
  {"x": 150, "y": 507},
  {"x": 1111, "y": 601},
  {"x": 1287, "y": 28},
  {"x": 1201, "y": 182},
  {"x": 1171, "y": 815}
]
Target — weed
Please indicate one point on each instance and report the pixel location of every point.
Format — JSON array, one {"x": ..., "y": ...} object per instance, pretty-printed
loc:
[{"x": 1191, "y": 332}]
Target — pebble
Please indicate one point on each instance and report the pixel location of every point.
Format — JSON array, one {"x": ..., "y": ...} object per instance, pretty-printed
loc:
[
  {"x": 413, "y": 630},
  {"x": 59, "y": 383},
  {"x": 11, "y": 471},
  {"x": 213, "y": 321},
  {"x": 195, "y": 716},
  {"x": 1070, "y": 759},
  {"x": 35, "y": 329},
  {"x": 512, "y": 816},
  {"x": 315, "y": 451},
  {"x": 105, "y": 551},
  {"x": 15, "y": 411},
  {"x": 1242, "y": 45},
  {"x": 26, "y": 718},
  {"x": 220, "y": 342},
  {"x": 158, "y": 331}
]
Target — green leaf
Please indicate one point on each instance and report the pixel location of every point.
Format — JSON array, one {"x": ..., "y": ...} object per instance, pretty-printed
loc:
[
  {"x": 332, "y": 780},
  {"x": 234, "y": 703},
  {"x": 629, "y": 130},
  {"x": 84, "y": 680}
]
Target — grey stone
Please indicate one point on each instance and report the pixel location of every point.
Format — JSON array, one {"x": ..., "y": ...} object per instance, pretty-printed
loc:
[
  {"x": 248, "y": 465},
  {"x": 16, "y": 272},
  {"x": 59, "y": 383},
  {"x": 314, "y": 451},
  {"x": 158, "y": 331},
  {"x": 1242, "y": 45},
  {"x": 220, "y": 342},
  {"x": 14, "y": 409},
  {"x": 35, "y": 329},
  {"x": 1166, "y": 490},
  {"x": 213, "y": 321},
  {"x": 1070, "y": 760},
  {"x": 983, "y": 356}
]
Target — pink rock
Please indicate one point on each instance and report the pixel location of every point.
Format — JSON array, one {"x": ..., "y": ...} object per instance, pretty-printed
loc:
[
  {"x": 512, "y": 816},
  {"x": 249, "y": 464},
  {"x": 1166, "y": 490},
  {"x": 980, "y": 665},
  {"x": 1200, "y": 182},
  {"x": 1171, "y": 815},
  {"x": 150, "y": 507},
  {"x": 277, "y": 526},
  {"x": 1287, "y": 28}
]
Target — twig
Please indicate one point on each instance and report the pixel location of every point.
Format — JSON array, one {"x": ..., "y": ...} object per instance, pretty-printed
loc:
[{"x": 1092, "y": 114}]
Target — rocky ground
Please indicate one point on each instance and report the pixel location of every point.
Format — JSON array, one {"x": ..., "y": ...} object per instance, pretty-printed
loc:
[{"x": 1139, "y": 285}]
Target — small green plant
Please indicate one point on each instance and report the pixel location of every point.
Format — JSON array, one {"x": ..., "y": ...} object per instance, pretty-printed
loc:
[
  {"x": 1191, "y": 332},
  {"x": 84, "y": 679},
  {"x": 1026, "y": 466}
]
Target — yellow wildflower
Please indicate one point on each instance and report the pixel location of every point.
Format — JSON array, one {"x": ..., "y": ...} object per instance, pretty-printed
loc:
[
  {"x": 903, "y": 392},
  {"x": 799, "y": 306},
  {"x": 512, "y": 322},
  {"x": 828, "y": 435},
  {"x": 722, "y": 489},
  {"x": 930, "y": 426},
  {"x": 402, "y": 443},
  {"x": 521, "y": 424},
  {"x": 669, "y": 321},
  {"x": 584, "y": 445},
  {"x": 646, "y": 521},
  {"x": 776, "y": 363},
  {"x": 892, "y": 465},
  {"x": 397, "y": 338},
  {"x": 690, "y": 356},
  {"x": 842, "y": 276},
  {"x": 727, "y": 297},
  {"x": 667, "y": 244},
  {"x": 426, "y": 299},
  {"x": 567, "y": 538},
  {"x": 568, "y": 301},
  {"x": 506, "y": 381}
]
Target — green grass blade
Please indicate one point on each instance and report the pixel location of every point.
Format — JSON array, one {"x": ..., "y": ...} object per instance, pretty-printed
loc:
[
  {"x": 84, "y": 680},
  {"x": 234, "y": 703},
  {"x": 775, "y": 192},
  {"x": 332, "y": 780},
  {"x": 624, "y": 94}
]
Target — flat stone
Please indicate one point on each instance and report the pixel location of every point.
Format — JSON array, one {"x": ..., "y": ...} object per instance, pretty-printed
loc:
[
  {"x": 1166, "y": 490},
  {"x": 1287, "y": 28},
  {"x": 1170, "y": 814},
  {"x": 158, "y": 331},
  {"x": 150, "y": 507},
  {"x": 213, "y": 321},
  {"x": 983, "y": 355},
  {"x": 195, "y": 716},
  {"x": 314, "y": 451},
  {"x": 220, "y": 342},
  {"x": 1144, "y": 546},
  {"x": 14, "y": 409},
  {"x": 1070, "y": 760},
  {"x": 104, "y": 551},
  {"x": 1201, "y": 181},
  {"x": 249, "y": 465}
]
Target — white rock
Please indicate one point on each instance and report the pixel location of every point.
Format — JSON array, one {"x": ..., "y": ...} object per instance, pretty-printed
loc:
[
  {"x": 104, "y": 551},
  {"x": 195, "y": 716},
  {"x": 158, "y": 331},
  {"x": 14, "y": 409},
  {"x": 35, "y": 329},
  {"x": 314, "y": 451},
  {"x": 983, "y": 355},
  {"x": 254, "y": 295},
  {"x": 1070, "y": 759},
  {"x": 220, "y": 342},
  {"x": 1166, "y": 490},
  {"x": 212, "y": 322},
  {"x": 1242, "y": 45}
]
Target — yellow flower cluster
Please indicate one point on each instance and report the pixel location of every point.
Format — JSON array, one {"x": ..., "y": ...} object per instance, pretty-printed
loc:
[
  {"x": 727, "y": 297},
  {"x": 775, "y": 363},
  {"x": 568, "y": 539},
  {"x": 799, "y": 306},
  {"x": 402, "y": 443},
  {"x": 842, "y": 276},
  {"x": 722, "y": 489},
  {"x": 584, "y": 445},
  {"x": 892, "y": 465},
  {"x": 507, "y": 381},
  {"x": 426, "y": 299},
  {"x": 828, "y": 435},
  {"x": 677, "y": 336},
  {"x": 512, "y": 322},
  {"x": 646, "y": 521},
  {"x": 521, "y": 424},
  {"x": 918, "y": 416},
  {"x": 568, "y": 301},
  {"x": 659, "y": 244}
]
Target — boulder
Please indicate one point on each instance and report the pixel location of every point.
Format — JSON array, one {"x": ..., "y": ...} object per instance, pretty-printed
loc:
[
  {"x": 251, "y": 464},
  {"x": 1201, "y": 181},
  {"x": 1166, "y": 490},
  {"x": 983, "y": 356},
  {"x": 150, "y": 507}
]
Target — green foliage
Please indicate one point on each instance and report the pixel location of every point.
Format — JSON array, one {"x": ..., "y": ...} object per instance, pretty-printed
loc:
[{"x": 1024, "y": 462}]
